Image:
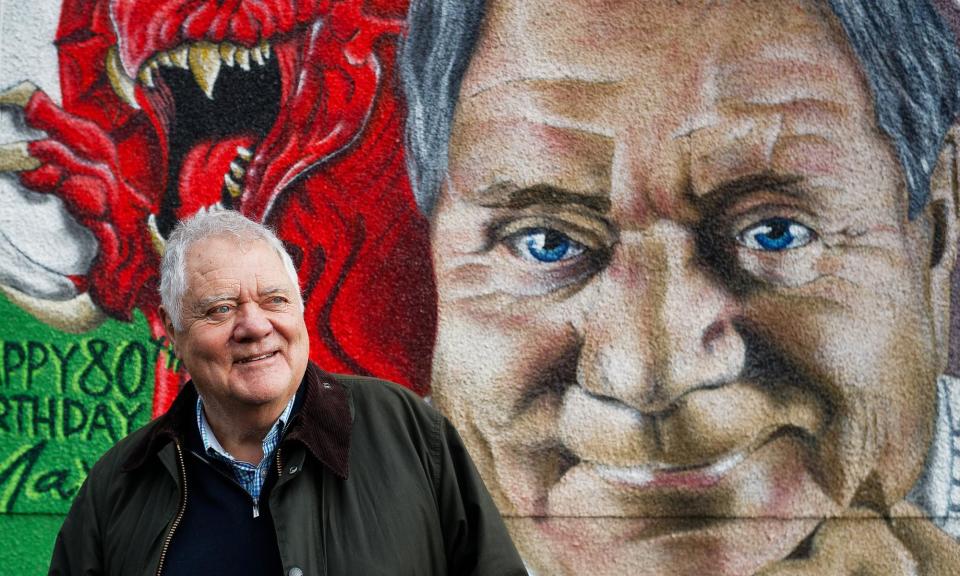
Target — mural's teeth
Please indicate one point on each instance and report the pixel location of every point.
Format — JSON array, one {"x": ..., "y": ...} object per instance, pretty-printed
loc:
[
  {"x": 244, "y": 153},
  {"x": 146, "y": 77},
  {"x": 164, "y": 59},
  {"x": 265, "y": 49},
  {"x": 227, "y": 51},
  {"x": 156, "y": 238},
  {"x": 232, "y": 187},
  {"x": 256, "y": 56},
  {"x": 243, "y": 57},
  {"x": 179, "y": 57},
  {"x": 237, "y": 171},
  {"x": 122, "y": 84},
  {"x": 205, "y": 65}
]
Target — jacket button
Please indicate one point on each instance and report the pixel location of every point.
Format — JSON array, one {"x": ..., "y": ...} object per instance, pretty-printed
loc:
[
  {"x": 326, "y": 385},
  {"x": 295, "y": 571},
  {"x": 293, "y": 470}
]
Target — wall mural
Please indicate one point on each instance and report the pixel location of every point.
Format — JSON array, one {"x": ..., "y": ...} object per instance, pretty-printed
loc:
[{"x": 680, "y": 273}]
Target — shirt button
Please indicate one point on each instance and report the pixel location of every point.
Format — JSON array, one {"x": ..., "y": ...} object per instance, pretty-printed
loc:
[{"x": 295, "y": 571}]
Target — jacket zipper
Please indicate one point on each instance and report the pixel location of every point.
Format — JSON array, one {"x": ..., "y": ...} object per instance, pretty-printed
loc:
[{"x": 182, "y": 508}]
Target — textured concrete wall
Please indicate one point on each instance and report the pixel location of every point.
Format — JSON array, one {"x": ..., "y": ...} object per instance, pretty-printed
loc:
[{"x": 673, "y": 291}]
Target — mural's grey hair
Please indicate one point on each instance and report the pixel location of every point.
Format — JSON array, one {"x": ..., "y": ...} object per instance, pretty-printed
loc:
[
  {"x": 434, "y": 57},
  {"x": 907, "y": 53},
  {"x": 910, "y": 58},
  {"x": 202, "y": 225}
]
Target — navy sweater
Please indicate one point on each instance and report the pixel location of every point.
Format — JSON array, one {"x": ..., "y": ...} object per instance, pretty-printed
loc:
[{"x": 219, "y": 533}]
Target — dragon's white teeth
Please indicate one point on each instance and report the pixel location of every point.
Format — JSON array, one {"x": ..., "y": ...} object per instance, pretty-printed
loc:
[
  {"x": 244, "y": 153},
  {"x": 122, "y": 84},
  {"x": 179, "y": 56},
  {"x": 227, "y": 50},
  {"x": 243, "y": 58},
  {"x": 204, "y": 59},
  {"x": 256, "y": 56},
  {"x": 146, "y": 76},
  {"x": 237, "y": 171},
  {"x": 232, "y": 187}
]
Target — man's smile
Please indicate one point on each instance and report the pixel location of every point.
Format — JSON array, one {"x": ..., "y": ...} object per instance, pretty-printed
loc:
[{"x": 257, "y": 358}]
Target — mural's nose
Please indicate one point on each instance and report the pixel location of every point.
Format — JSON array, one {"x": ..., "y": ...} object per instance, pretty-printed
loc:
[{"x": 667, "y": 326}]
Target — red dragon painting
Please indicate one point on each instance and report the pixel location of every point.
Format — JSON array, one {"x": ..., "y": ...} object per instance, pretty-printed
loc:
[{"x": 287, "y": 110}]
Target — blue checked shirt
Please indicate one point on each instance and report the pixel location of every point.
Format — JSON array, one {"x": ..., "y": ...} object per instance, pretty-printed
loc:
[{"x": 250, "y": 477}]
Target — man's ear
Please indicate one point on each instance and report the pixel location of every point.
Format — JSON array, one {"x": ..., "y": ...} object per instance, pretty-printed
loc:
[
  {"x": 943, "y": 214},
  {"x": 168, "y": 328}
]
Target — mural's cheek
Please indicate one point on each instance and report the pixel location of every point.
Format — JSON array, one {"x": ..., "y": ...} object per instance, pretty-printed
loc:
[
  {"x": 500, "y": 377},
  {"x": 866, "y": 352}
]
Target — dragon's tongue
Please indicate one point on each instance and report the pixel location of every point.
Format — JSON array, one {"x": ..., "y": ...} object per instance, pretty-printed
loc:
[{"x": 201, "y": 181}]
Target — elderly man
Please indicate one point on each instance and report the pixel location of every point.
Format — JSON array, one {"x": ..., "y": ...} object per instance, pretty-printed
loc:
[
  {"x": 693, "y": 264},
  {"x": 265, "y": 464}
]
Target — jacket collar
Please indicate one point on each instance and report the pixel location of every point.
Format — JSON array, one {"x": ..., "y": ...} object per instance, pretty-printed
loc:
[{"x": 321, "y": 421}]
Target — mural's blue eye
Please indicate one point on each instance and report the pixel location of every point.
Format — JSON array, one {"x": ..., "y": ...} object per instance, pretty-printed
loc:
[
  {"x": 775, "y": 234},
  {"x": 547, "y": 245}
]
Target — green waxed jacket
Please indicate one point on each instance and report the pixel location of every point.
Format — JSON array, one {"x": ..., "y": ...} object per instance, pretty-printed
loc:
[{"x": 372, "y": 481}]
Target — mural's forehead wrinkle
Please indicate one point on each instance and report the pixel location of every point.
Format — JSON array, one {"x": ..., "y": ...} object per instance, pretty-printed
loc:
[
  {"x": 485, "y": 152},
  {"x": 780, "y": 81},
  {"x": 768, "y": 144},
  {"x": 564, "y": 102}
]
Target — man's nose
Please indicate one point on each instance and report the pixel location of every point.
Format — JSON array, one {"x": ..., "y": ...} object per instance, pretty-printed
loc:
[
  {"x": 663, "y": 326},
  {"x": 251, "y": 323}
]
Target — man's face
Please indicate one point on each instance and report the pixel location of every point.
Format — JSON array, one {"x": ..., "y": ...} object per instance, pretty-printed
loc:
[
  {"x": 682, "y": 312},
  {"x": 244, "y": 341}
]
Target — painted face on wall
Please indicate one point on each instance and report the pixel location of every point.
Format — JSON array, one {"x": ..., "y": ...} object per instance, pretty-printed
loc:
[
  {"x": 243, "y": 338},
  {"x": 682, "y": 312}
]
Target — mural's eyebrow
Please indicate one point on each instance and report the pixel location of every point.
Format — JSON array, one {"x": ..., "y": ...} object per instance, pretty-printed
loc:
[
  {"x": 728, "y": 192},
  {"x": 508, "y": 195}
]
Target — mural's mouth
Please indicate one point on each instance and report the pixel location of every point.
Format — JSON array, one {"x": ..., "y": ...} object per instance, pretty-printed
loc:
[
  {"x": 664, "y": 476},
  {"x": 216, "y": 101}
]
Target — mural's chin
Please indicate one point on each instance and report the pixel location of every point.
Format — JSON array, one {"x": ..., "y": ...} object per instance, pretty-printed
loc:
[
  {"x": 726, "y": 518},
  {"x": 572, "y": 546}
]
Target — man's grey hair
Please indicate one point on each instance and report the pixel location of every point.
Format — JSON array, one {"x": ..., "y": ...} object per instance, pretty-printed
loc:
[
  {"x": 907, "y": 53},
  {"x": 200, "y": 226}
]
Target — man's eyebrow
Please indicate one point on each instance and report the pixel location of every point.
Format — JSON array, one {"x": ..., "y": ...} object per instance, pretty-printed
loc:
[
  {"x": 271, "y": 290},
  {"x": 729, "y": 192},
  {"x": 508, "y": 195},
  {"x": 208, "y": 300}
]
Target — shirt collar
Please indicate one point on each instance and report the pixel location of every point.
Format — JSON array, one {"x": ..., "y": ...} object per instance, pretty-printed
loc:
[{"x": 209, "y": 438}]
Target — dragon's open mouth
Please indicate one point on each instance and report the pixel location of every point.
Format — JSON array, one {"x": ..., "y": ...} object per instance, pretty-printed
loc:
[{"x": 217, "y": 102}]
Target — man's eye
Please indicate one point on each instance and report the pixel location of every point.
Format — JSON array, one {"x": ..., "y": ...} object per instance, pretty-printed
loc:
[
  {"x": 544, "y": 245},
  {"x": 775, "y": 235},
  {"x": 222, "y": 309}
]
